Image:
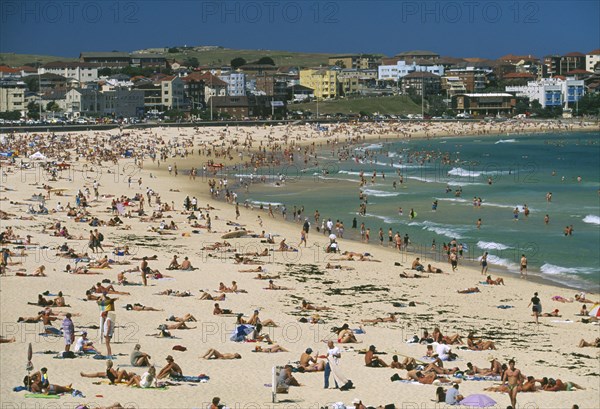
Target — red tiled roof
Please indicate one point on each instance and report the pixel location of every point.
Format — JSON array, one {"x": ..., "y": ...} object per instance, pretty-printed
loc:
[
  {"x": 574, "y": 54},
  {"x": 8, "y": 70},
  {"x": 27, "y": 68},
  {"x": 594, "y": 52},
  {"x": 561, "y": 77},
  {"x": 209, "y": 78},
  {"x": 579, "y": 72},
  {"x": 517, "y": 58}
]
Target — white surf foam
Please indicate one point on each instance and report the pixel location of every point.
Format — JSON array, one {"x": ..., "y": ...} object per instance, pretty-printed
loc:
[
  {"x": 592, "y": 219},
  {"x": 490, "y": 245}
]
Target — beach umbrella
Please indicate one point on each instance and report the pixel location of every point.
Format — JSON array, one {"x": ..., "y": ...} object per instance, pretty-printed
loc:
[
  {"x": 478, "y": 401},
  {"x": 595, "y": 311}
]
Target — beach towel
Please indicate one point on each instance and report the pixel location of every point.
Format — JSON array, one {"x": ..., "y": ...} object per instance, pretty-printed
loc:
[
  {"x": 104, "y": 357},
  {"x": 338, "y": 376},
  {"x": 41, "y": 396},
  {"x": 504, "y": 307},
  {"x": 195, "y": 379}
]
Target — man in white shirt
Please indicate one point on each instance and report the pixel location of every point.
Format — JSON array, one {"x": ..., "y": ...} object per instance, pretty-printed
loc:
[
  {"x": 335, "y": 354},
  {"x": 443, "y": 351},
  {"x": 83, "y": 344}
]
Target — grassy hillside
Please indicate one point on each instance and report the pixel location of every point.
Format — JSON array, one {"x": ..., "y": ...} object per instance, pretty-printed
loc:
[
  {"x": 395, "y": 105},
  {"x": 16, "y": 60},
  {"x": 223, "y": 56}
]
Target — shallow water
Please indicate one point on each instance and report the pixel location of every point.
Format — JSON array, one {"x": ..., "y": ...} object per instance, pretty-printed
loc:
[{"x": 521, "y": 172}]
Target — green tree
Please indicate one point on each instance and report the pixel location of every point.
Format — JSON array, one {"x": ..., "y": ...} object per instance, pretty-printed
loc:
[
  {"x": 10, "y": 115},
  {"x": 104, "y": 72},
  {"x": 237, "y": 63},
  {"x": 32, "y": 82},
  {"x": 33, "y": 110},
  {"x": 53, "y": 107},
  {"x": 522, "y": 106},
  {"x": 173, "y": 50},
  {"x": 340, "y": 63},
  {"x": 266, "y": 61},
  {"x": 588, "y": 105},
  {"x": 191, "y": 62}
]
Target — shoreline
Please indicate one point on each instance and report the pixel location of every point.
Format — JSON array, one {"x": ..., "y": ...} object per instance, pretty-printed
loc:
[{"x": 423, "y": 250}]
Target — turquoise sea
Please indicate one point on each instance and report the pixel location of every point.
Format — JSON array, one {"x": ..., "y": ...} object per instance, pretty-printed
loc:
[{"x": 522, "y": 169}]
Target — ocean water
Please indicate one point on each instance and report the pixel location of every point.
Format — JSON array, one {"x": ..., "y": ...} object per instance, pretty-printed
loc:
[{"x": 522, "y": 170}]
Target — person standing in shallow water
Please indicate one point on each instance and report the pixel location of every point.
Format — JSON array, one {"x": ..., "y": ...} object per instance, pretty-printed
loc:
[{"x": 523, "y": 266}]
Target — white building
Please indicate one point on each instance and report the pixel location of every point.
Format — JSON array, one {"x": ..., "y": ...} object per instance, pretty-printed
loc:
[
  {"x": 236, "y": 83},
  {"x": 12, "y": 96},
  {"x": 401, "y": 69},
  {"x": 80, "y": 71},
  {"x": 551, "y": 92},
  {"x": 592, "y": 59},
  {"x": 116, "y": 102}
]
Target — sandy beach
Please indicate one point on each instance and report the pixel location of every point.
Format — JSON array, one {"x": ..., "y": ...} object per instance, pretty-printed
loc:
[{"x": 358, "y": 290}]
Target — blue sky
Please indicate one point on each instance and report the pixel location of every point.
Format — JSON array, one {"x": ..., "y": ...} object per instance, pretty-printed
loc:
[{"x": 467, "y": 28}]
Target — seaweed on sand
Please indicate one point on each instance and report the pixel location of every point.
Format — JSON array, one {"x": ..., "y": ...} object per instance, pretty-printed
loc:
[{"x": 359, "y": 289}]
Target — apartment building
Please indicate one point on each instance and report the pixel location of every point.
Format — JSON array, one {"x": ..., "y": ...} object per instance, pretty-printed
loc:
[
  {"x": 115, "y": 102},
  {"x": 592, "y": 61},
  {"x": 82, "y": 72},
  {"x": 324, "y": 82},
  {"x": 172, "y": 92},
  {"x": 236, "y": 83},
  {"x": 355, "y": 61},
  {"x": 399, "y": 70},
  {"x": 12, "y": 95},
  {"x": 551, "y": 92},
  {"x": 422, "y": 83}
]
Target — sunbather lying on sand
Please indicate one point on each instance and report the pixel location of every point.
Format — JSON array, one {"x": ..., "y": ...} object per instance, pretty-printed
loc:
[
  {"x": 469, "y": 290},
  {"x": 206, "y": 296},
  {"x": 270, "y": 349},
  {"x": 306, "y": 306},
  {"x": 497, "y": 281},
  {"x": 390, "y": 318},
  {"x": 266, "y": 277},
  {"x": 214, "y": 354},
  {"x": 273, "y": 286},
  {"x": 174, "y": 293},
  {"x": 185, "y": 318}
]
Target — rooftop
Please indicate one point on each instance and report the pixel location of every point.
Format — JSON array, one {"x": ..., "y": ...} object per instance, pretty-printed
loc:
[
  {"x": 491, "y": 94},
  {"x": 420, "y": 74}
]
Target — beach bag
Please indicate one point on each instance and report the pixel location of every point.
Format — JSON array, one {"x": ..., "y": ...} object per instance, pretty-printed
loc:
[{"x": 100, "y": 237}]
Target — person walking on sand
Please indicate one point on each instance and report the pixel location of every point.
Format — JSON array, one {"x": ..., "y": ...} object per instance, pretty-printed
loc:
[
  {"x": 484, "y": 264},
  {"x": 536, "y": 306},
  {"x": 68, "y": 332},
  {"x": 334, "y": 354},
  {"x": 513, "y": 377},
  {"x": 523, "y": 266},
  {"x": 109, "y": 328},
  {"x": 302, "y": 238},
  {"x": 144, "y": 270}
]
